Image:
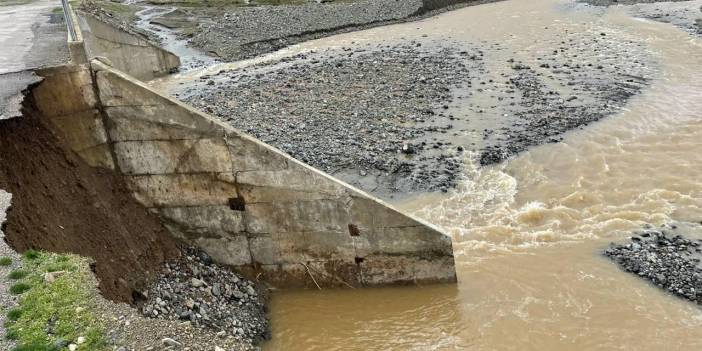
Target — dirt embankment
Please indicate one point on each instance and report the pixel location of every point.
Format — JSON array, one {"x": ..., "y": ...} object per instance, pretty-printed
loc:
[{"x": 60, "y": 204}]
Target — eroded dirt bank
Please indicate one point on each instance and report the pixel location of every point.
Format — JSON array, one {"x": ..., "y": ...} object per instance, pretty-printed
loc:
[{"x": 60, "y": 204}]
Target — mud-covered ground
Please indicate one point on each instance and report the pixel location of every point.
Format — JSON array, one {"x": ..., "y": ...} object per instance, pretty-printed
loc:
[{"x": 400, "y": 117}]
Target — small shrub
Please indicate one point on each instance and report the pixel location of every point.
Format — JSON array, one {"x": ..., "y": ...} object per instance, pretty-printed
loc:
[
  {"x": 19, "y": 288},
  {"x": 17, "y": 274},
  {"x": 5, "y": 261},
  {"x": 14, "y": 314},
  {"x": 31, "y": 254}
]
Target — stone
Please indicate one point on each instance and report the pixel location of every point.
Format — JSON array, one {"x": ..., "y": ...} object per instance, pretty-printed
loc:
[
  {"x": 170, "y": 342},
  {"x": 51, "y": 277},
  {"x": 196, "y": 283}
]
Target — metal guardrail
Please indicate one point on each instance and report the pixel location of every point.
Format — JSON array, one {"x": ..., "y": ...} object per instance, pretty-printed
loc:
[{"x": 68, "y": 15}]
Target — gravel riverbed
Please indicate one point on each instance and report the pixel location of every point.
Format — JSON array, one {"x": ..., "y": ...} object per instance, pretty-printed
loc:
[
  {"x": 665, "y": 258},
  {"x": 7, "y": 300},
  {"x": 237, "y": 32},
  {"x": 398, "y": 116},
  {"x": 356, "y": 111}
]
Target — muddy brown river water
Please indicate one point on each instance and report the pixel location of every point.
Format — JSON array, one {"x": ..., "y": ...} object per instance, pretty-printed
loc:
[{"x": 528, "y": 233}]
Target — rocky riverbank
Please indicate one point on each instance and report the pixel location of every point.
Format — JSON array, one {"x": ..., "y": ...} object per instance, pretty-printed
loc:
[
  {"x": 665, "y": 258},
  {"x": 195, "y": 290}
]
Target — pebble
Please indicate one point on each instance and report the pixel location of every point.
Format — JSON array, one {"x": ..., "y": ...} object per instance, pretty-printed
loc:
[{"x": 171, "y": 342}]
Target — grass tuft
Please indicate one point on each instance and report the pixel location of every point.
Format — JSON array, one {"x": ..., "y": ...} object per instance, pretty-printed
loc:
[
  {"x": 19, "y": 288},
  {"x": 10, "y": 335},
  {"x": 17, "y": 274},
  {"x": 14, "y": 314},
  {"x": 31, "y": 254},
  {"x": 5, "y": 261}
]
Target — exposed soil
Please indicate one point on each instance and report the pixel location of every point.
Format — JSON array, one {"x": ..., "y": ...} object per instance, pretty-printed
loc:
[{"x": 60, "y": 204}]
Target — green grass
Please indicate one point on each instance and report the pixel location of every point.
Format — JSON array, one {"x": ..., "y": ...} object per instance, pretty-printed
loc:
[
  {"x": 48, "y": 311},
  {"x": 31, "y": 254},
  {"x": 5, "y": 261},
  {"x": 19, "y": 288},
  {"x": 17, "y": 274},
  {"x": 14, "y": 314}
]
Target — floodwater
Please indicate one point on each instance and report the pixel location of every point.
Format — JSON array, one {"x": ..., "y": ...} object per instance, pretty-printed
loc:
[{"x": 528, "y": 233}]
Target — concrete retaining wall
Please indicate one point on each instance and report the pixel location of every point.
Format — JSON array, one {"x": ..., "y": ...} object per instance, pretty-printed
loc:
[
  {"x": 126, "y": 52},
  {"x": 245, "y": 203}
]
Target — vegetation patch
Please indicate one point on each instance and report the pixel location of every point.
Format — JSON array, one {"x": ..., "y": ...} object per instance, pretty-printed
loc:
[
  {"x": 5, "y": 261},
  {"x": 17, "y": 274},
  {"x": 53, "y": 310},
  {"x": 19, "y": 288}
]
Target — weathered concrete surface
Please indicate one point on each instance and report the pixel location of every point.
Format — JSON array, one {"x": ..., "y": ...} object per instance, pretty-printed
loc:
[
  {"x": 245, "y": 203},
  {"x": 126, "y": 52},
  {"x": 66, "y": 98},
  {"x": 251, "y": 206},
  {"x": 30, "y": 37}
]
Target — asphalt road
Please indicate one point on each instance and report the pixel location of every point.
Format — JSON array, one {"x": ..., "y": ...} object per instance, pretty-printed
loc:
[{"x": 31, "y": 36}]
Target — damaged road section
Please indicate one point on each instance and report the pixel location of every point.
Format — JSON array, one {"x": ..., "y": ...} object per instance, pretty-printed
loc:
[
  {"x": 98, "y": 216},
  {"x": 12, "y": 86}
]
